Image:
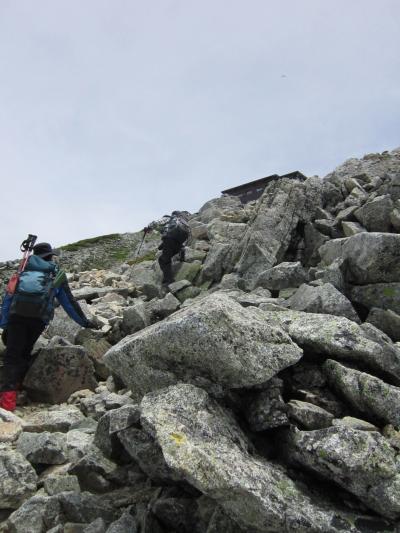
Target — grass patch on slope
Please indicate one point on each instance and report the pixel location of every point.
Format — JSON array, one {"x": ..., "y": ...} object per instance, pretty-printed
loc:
[{"x": 103, "y": 239}]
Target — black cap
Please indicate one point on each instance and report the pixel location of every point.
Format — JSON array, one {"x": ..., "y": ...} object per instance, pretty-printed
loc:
[{"x": 43, "y": 249}]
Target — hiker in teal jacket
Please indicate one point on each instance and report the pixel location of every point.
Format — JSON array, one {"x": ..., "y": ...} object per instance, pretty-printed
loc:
[{"x": 22, "y": 327}]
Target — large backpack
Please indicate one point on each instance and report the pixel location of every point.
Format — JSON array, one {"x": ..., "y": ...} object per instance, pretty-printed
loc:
[
  {"x": 34, "y": 295},
  {"x": 177, "y": 229}
]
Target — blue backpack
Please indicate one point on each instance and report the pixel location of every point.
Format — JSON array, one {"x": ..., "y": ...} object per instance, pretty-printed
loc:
[{"x": 34, "y": 294}]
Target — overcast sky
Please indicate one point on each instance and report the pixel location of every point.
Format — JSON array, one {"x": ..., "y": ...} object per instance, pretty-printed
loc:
[{"x": 115, "y": 112}]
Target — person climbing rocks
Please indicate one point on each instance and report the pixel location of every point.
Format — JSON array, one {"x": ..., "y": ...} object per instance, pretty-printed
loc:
[
  {"x": 26, "y": 313},
  {"x": 175, "y": 232}
]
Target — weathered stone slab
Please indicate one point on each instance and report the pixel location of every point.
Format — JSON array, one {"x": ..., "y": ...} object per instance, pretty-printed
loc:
[
  {"x": 375, "y": 214},
  {"x": 215, "y": 339},
  {"x": 382, "y": 295},
  {"x": 338, "y": 338},
  {"x": 58, "y": 372},
  {"x": 308, "y": 415},
  {"x": 324, "y": 299},
  {"x": 386, "y": 320},
  {"x": 283, "y": 276},
  {"x": 283, "y": 205},
  {"x": 361, "y": 462},
  {"x": 39, "y": 513},
  {"x": 18, "y": 479},
  {"x": 205, "y": 446},
  {"x": 370, "y": 257},
  {"x": 369, "y": 394},
  {"x": 59, "y": 419},
  {"x": 42, "y": 448}
]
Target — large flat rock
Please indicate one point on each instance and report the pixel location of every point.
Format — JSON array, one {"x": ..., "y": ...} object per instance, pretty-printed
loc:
[{"x": 214, "y": 341}]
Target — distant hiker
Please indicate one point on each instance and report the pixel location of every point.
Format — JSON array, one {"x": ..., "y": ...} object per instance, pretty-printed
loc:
[
  {"x": 27, "y": 310},
  {"x": 175, "y": 232}
]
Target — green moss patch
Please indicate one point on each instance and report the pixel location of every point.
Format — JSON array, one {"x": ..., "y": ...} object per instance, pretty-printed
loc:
[
  {"x": 103, "y": 239},
  {"x": 148, "y": 257}
]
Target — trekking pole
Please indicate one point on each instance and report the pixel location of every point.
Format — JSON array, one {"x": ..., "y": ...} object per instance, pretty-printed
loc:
[
  {"x": 26, "y": 247},
  {"x": 145, "y": 231}
]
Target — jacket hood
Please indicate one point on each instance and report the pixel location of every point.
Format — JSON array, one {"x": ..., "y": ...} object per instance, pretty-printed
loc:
[{"x": 37, "y": 263}]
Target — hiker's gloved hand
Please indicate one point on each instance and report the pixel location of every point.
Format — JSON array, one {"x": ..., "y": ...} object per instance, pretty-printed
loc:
[{"x": 147, "y": 229}]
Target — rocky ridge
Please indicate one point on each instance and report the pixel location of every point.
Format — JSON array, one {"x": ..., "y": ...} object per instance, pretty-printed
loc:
[{"x": 260, "y": 394}]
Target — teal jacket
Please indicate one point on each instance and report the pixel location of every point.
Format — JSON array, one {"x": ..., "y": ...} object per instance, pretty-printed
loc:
[{"x": 62, "y": 293}]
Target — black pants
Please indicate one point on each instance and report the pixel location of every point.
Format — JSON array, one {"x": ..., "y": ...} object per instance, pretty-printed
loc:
[
  {"x": 21, "y": 335},
  {"x": 169, "y": 248}
]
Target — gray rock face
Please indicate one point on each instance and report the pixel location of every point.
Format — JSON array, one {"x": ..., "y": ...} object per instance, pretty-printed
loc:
[
  {"x": 369, "y": 394},
  {"x": 362, "y": 462},
  {"x": 223, "y": 231},
  {"x": 64, "y": 326},
  {"x": 313, "y": 240},
  {"x": 370, "y": 257},
  {"x": 215, "y": 339},
  {"x": 42, "y": 448},
  {"x": 96, "y": 405},
  {"x": 282, "y": 276},
  {"x": 385, "y": 164},
  {"x": 354, "y": 423},
  {"x": 382, "y": 295},
  {"x": 375, "y": 215},
  {"x": 387, "y": 321},
  {"x": 96, "y": 346},
  {"x": 189, "y": 271},
  {"x": 201, "y": 442},
  {"x": 324, "y": 299},
  {"x": 219, "y": 261},
  {"x": 308, "y": 415},
  {"x": 199, "y": 230},
  {"x": 124, "y": 524},
  {"x": 352, "y": 228},
  {"x": 67, "y": 369},
  {"x": 39, "y": 513},
  {"x": 18, "y": 479},
  {"x": 333, "y": 274},
  {"x": 283, "y": 205},
  {"x": 77, "y": 444},
  {"x": 94, "y": 471},
  {"x": 97, "y": 526},
  {"x": 159, "y": 309},
  {"x": 106, "y": 438},
  {"x": 266, "y": 409},
  {"x": 338, "y": 338},
  {"x": 147, "y": 453},
  {"x": 135, "y": 318},
  {"x": 84, "y": 508},
  {"x": 58, "y": 419},
  {"x": 216, "y": 207},
  {"x": 57, "y": 484}
]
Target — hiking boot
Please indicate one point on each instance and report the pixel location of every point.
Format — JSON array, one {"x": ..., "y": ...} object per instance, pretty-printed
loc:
[{"x": 8, "y": 400}]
